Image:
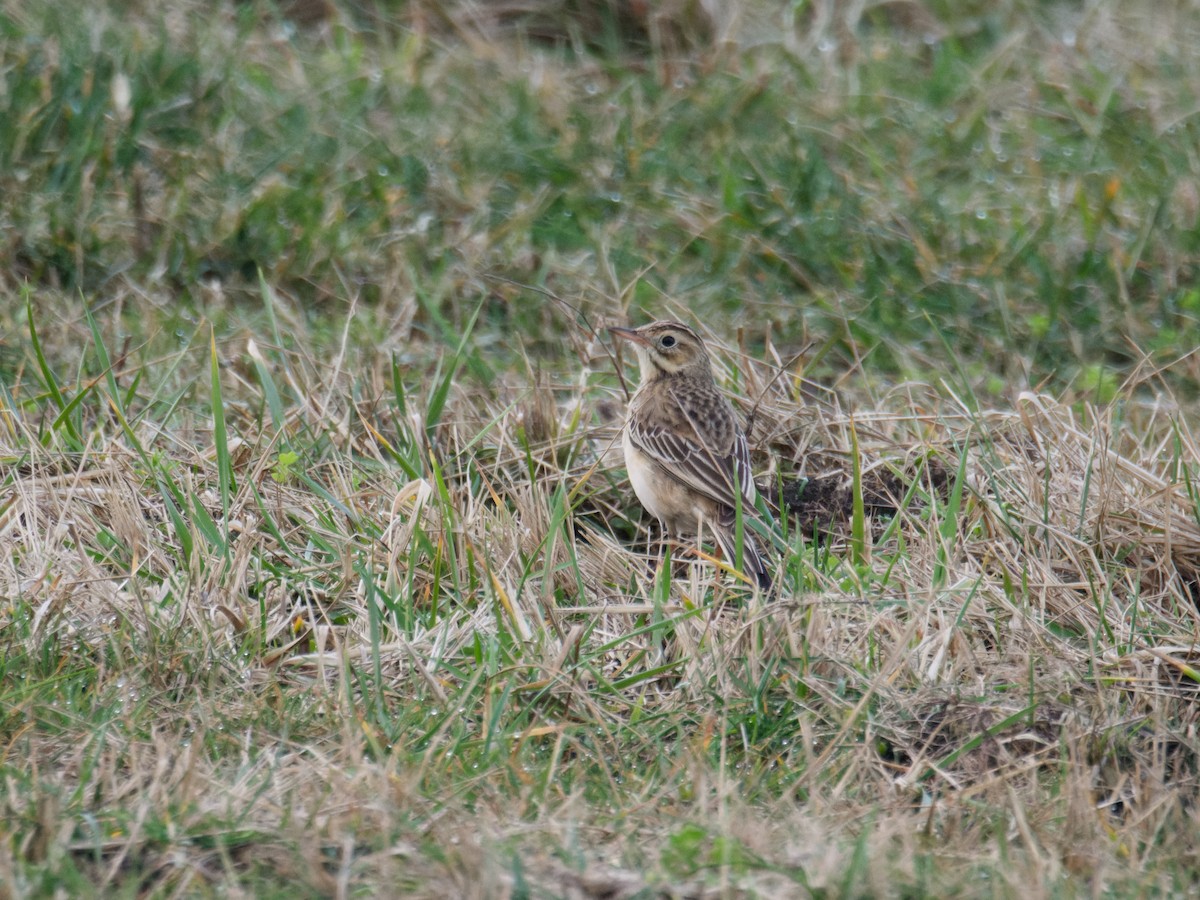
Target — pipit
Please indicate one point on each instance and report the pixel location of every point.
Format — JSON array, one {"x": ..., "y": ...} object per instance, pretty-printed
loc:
[{"x": 684, "y": 447}]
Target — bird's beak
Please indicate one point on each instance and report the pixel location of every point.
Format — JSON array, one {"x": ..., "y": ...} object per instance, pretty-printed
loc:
[{"x": 629, "y": 334}]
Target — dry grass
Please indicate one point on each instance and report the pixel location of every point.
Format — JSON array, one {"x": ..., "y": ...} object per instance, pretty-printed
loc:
[{"x": 1007, "y": 686}]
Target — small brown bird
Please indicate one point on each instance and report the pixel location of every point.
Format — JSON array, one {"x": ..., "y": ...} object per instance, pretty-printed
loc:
[{"x": 684, "y": 448}]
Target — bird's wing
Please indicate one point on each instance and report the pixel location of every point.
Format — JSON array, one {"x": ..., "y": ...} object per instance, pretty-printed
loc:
[{"x": 711, "y": 471}]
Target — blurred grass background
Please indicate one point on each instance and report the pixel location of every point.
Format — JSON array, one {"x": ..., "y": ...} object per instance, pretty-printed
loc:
[{"x": 1007, "y": 187}]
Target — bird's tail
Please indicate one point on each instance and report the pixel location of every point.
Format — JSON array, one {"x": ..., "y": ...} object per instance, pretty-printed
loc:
[{"x": 753, "y": 563}]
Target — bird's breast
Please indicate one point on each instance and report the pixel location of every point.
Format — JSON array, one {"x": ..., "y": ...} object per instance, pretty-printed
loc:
[{"x": 644, "y": 476}]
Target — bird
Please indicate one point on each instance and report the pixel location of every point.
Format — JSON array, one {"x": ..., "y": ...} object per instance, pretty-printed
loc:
[{"x": 684, "y": 447}]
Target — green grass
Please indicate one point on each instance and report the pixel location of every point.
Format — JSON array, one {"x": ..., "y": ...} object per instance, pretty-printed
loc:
[
  {"x": 1007, "y": 201},
  {"x": 320, "y": 574}
]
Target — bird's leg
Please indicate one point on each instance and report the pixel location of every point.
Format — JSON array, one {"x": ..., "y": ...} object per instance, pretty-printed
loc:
[
  {"x": 660, "y": 553},
  {"x": 666, "y": 557},
  {"x": 703, "y": 526}
]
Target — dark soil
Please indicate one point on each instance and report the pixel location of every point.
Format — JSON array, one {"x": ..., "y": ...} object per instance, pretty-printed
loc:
[{"x": 823, "y": 504}]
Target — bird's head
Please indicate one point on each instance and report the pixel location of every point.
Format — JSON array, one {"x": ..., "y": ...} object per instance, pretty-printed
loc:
[{"x": 665, "y": 348}]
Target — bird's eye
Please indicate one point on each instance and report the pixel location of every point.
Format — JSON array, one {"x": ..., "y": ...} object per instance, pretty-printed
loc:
[{"x": 668, "y": 340}]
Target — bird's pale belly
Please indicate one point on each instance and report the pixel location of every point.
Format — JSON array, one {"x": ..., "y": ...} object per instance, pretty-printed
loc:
[
  {"x": 645, "y": 480},
  {"x": 662, "y": 496}
]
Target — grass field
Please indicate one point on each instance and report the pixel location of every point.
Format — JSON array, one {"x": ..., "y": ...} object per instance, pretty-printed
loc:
[{"x": 319, "y": 571}]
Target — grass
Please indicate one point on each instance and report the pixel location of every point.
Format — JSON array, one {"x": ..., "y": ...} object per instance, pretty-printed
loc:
[{"x": 322, "y": 572}]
